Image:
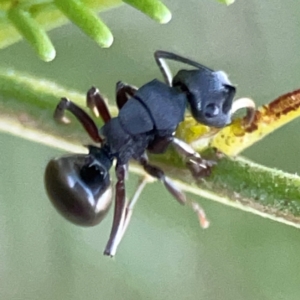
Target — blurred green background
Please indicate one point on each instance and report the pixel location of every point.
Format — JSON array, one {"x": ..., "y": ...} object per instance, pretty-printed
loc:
[{"x": 165, "y": 255}]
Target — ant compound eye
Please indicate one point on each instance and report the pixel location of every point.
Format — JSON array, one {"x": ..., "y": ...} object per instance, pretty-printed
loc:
[
  {"x": 211, "y": 110},
  {"x": 79, "y": 188}
]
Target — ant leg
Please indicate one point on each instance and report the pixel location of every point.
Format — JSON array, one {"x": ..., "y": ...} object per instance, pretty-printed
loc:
[
  {"x": 129, "y": 208},
  {"x": 250, "y": 106},
  {"x": 124, "y": 91},
  {"x": 174, "y": 190},
  {"x": 197, "y": 165},
  {"x": 119, "y": 212},
  {"x": 124, "y": 222},
  {"x": 161, "y": 55},
  {"x": 95, "y": 101},
  {"x": 85, "y": 120}
]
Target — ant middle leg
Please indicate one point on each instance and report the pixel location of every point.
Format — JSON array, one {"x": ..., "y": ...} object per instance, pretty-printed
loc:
[
  {"x": 85, "y": 120},
  {"x": 159, "y": 174},
  {"x": 95, "y": 101}
]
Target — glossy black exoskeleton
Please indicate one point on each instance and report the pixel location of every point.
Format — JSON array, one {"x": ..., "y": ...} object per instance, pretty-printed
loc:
[{"x": 79, "y": 185}]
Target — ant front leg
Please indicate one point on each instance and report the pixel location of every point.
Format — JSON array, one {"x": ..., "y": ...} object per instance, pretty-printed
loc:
[
  {"x": 173, "y": 189},
  {"x": 85, "y": 120},
  {"x": 198, "y": 166},
  {"x": 124, "y": 92}
]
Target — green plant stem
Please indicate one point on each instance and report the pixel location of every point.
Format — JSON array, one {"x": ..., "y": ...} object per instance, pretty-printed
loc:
[{"x": 26, "y": 109}]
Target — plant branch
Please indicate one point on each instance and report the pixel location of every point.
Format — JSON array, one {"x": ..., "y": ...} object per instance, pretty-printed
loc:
[{"x": 26, "y": 109}]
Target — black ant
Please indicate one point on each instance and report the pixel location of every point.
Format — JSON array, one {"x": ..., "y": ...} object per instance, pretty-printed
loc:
[{"x": 79, "y": 185}]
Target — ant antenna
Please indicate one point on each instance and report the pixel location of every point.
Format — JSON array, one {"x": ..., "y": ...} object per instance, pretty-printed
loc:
[
  {"x": 247, "y": 103},
  {"x": 160, "y": 56}
]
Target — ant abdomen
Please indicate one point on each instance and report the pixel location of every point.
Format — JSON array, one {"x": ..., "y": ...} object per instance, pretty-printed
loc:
[{"x": 79, "y": 188}]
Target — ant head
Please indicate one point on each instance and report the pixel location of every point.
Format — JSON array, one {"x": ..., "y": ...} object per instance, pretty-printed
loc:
[
  {"x": 210, "y": 95},
  {"x": 79, "y": 188}
]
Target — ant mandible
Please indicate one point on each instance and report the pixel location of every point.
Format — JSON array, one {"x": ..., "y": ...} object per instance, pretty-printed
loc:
[{"x": 79, "y": 185}]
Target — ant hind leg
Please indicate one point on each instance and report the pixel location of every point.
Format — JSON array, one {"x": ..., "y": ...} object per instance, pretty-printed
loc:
[
  {"x": 85, "y": 120},
  {"x": 119, "y": 212},
  {"x": 123, "y": 209}
]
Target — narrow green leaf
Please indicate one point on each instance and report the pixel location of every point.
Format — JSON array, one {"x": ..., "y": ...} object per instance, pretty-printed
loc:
[
  {"x": 153, "y": 8},
  {"x": 49, "y": 14},
  {"x": 87, "y": 21},
  {"x": 227, "y": 2},
  {"x": 46, "y": 15},
  {"x": 32, "y": 32}
]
